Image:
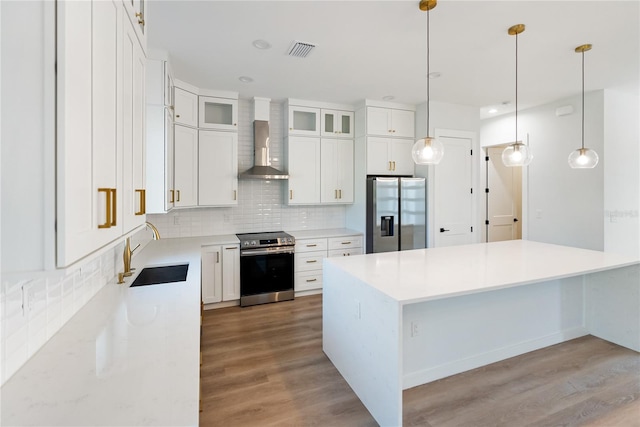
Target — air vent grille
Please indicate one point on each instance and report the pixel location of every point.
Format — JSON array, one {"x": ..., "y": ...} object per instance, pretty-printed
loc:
[{"x": 300, "y": 49}]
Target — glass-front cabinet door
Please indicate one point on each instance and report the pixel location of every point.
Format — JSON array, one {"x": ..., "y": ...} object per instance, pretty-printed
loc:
[
  {"x": 304, "y": 121},
  {"x": 136, "y": 10},
  {"x": 337, "y": 124},
  {"x": 218, "y": 113}
]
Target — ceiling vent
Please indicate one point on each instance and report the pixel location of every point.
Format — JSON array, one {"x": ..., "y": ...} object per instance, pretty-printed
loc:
[{"x": 300, "y": 49}]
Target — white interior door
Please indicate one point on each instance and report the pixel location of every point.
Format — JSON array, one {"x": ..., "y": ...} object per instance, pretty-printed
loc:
[
  {"x": 453, "y": 198},
  {"x": 505, "y": 198}
]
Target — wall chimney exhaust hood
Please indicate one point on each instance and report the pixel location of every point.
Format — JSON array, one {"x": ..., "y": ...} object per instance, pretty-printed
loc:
[{"x": 262, "y": 164}]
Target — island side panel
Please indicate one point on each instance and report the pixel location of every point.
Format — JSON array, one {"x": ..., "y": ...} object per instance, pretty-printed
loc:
[
  {"x": 613, "y": 306},
  {"x": 452, "y": 335},
  {"x": 362, "y": 338}
]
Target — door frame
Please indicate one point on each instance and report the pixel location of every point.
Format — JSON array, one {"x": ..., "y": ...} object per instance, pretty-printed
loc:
[
  {"x": 524, "y": 220},
  {"x": 475, "y": 183}
]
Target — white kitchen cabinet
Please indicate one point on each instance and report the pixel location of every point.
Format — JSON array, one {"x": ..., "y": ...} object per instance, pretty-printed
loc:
[
  {"x": 88, "y": 114},
  {"x": 302, "y": 159},
  {"x": 136, "y": 10},
  {"x": 211, "y": 274},
  {"x": 186, "y": 166},
  {"x": 303, "y": 121},
  {"x": 337, "y": 124},
  {"x": 160, "y": 194},
  {"x": 390, "y": 122},
  {"x": 389, "y": 156},
  {"x": 218, "y": 113},
  {"x": 217, "y": 168},
  {"x": 134, "y": 131},
  {"x": 230, "y": 272},
  {"x": 186, "y": 107},
  {"x": 336, "y": 172}
]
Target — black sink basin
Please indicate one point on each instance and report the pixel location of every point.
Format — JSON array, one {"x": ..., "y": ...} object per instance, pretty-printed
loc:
[{"x": 164, "y": 274}]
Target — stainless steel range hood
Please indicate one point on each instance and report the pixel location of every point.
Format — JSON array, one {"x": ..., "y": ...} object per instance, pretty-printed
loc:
[{"x": 262, "y": 165}]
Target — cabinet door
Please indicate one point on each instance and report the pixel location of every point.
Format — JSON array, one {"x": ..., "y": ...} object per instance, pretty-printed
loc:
[
  {"x": 169, "y": 147},
  {"x": 230, "y": 272},
  {"x": 378, "y": 162},
  {"x": 217, "y": 168},
  {"x": 403, "y": 123},
  {"x": 328, "y": 171},
  {"x": 186, "y": 107},
  {"x": 303, "y": 157},
  {"x": 134, "y": 190},
  {"x": 211, "y": 271},
  {"x": 218, "y": 113},
  {"x": 337, "y": 124},
  {"x": 344, "y": 170},
  {"x": 304, "y": 121},
  {"x": 136, "y": 10},
  {"x": 87, "y": 113},
  {"x": 400, "y": 155},
  {"x": 379, "y": 121},
  {"x": 186, "y": 166}
]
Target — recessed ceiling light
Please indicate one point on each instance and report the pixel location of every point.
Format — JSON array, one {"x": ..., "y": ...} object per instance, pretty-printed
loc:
[
  {"x": 434, "y": 75},
  {"x": 245, "y": 79},
  {"x": 493, "y": 110},
  {"x": 388, "y": 98},
  {"x": 261, "y": 44}
]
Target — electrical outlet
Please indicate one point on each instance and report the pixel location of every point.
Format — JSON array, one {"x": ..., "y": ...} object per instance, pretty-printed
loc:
[
  {"x": 415, "y": 330},
  {"x": 176, "y": 220},
  {"x": 27, "y": 298}
]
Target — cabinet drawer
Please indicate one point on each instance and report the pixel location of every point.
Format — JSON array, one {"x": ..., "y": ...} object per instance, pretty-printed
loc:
[
  {"x": 345, "y": 242},
  {"x": 344, "y": 252},
  {"x": 307, "y": 281},
  {"x": 310, "y": 245},
  {"x": 308, "y": 261}
]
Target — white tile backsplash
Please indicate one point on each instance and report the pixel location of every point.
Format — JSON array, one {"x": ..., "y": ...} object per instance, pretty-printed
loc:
[{"x": 260, "y": 203}]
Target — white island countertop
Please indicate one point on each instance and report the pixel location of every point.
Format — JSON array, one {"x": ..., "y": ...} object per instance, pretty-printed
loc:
[
  {"x": 429, "y": 274},
  {"x": 130, "y": 356}
]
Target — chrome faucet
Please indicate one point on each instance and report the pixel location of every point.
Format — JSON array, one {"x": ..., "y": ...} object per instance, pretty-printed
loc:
[{"x": 128, "y": 252}]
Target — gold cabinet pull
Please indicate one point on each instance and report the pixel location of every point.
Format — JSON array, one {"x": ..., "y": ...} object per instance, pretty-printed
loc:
[
  {"x": 140, "y": 17},
  {"x": 143, "y": 202},
  {"x": 113, "y": 207},
  {"x": 290, "y": 194},
  {"x": 172, "y": 196},
  {"x": 312, "y": 246},
  {"x": 235, "y": 194},
  {"x": 335, "y": 196},
  {"x": 311, "y": 261},
  {"x": 218, "y": 257},
  {"x": 311, "y": 280},
  {"x": 107, "y": 192},
  {"x": 394, "y": 165},
  {"x": 339, "y": 194},
  {"x": 178, "y": 191},
  {"x": 346, "y": 243},
  {"x": 389, "y": 167}
]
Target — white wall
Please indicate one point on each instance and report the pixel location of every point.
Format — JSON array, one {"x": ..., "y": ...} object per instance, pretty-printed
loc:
[
  {"x": 260, "y": 203},
  {"x": 621, "y": 171},
  {"x": 564, "y": 206}
]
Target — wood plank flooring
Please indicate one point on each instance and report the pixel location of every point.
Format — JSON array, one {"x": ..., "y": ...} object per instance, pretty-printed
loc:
[{"x": 264, "y": 366}]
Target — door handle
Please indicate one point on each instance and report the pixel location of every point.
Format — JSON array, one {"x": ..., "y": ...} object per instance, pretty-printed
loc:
[
  {"x": 515, "y": 219},
  {"x": 442, "y": 230}
]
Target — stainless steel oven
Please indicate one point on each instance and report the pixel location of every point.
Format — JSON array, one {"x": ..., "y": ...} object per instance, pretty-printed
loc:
[{"x": 266, "y": 267}]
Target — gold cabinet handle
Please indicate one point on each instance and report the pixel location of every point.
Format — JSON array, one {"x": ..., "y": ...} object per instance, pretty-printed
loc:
[
  {"x": 312, "y": 246},
  {"x": 335, "y": 196},
  {"x": 217, "y": 257},
  {"x": 232, "y": 247},
  {"x": 140, "y": 17},
  {"x": 339, "y": 194},
  {"x": 346, "y": 243},
  {"x": 394, "y": 165},
  {"x": 107, "y": 192},
  {"x": 235, "y": 194},
  {"x": 389, "y": 167},
  {"x": 143, "y": 202},
  {"x": 290, "y": 194},
  {"x": 178, "y": 191},
  {"x": 311, "y": 280},
  {"x": 172, "y": 196},
  {"x": 311, "y": 261},
  {"x": 113, "y": 207}
]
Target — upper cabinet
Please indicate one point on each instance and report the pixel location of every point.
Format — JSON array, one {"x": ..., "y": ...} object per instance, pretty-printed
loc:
[
  {"x": 302, "y": 159},
  {"x": 218, "y": 113},
  {"x": 304, "y": 121},
  {"x": 186, "y": 107},
  {"x": 136, "y": 11},
  {"x": 390, "y": 122},
  {"x": 217, "y": 168},
  {"x": 337, "y": 124}
]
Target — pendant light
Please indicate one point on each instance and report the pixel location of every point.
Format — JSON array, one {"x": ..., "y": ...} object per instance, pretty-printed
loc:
[
  {"x": 516, "y": 154},
  {"x": 583, "y": 158},
  {"x": 428, "y": 150}
]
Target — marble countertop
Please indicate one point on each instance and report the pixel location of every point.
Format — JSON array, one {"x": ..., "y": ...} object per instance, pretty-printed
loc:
[
  {"x": 323, "y": 233},
  {"x": 428, "y": 274},
  {"x": 130, "y": 356}
]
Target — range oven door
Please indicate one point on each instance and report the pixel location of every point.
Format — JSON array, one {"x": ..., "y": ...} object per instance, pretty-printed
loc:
[{"x": 266, "y": 275}]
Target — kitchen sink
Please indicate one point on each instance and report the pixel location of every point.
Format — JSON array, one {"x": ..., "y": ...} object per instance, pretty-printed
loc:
[{"x": 164, "y": 274}]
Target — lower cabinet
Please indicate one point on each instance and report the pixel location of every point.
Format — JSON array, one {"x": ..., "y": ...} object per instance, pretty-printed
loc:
[
  {"x": 310, "y": 254},
  {"x": 220, "y": 273}
]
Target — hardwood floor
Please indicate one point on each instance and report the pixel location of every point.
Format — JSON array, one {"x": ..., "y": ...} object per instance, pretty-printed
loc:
[{"x": 264, "y": 366}]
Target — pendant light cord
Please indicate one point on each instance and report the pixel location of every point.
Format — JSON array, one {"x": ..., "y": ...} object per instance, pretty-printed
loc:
[
  {"x": 583, "y": 99},
  {"x": 516, "y": 139},
  {"x": 428, "y": 78}
]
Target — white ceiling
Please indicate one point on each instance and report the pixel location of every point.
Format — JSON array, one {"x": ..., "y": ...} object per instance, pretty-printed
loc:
[{"x": 372, "y": 49}]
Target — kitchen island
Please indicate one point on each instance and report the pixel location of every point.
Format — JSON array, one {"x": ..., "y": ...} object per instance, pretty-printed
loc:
[
  {"x": 392, "y": 321},
  {"x": 130, "y": 356}
]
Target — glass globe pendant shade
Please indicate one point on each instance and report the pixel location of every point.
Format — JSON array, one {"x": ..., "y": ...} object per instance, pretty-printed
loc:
[
  {"x": 427, "y": 151},
  {"x": 583, "y": 158},
  {"x": 516, "y": 154}
]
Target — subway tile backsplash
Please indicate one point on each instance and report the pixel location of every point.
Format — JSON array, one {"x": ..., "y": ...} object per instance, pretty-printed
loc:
[{"x": 260, "y": 203}]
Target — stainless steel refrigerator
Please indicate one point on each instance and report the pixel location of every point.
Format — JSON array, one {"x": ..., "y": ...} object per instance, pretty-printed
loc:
[{"x": 396, "y": 214}]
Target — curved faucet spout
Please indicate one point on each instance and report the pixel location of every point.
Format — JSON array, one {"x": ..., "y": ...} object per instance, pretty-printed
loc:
[{"x": 156, "y": 233}]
